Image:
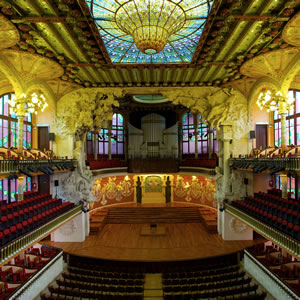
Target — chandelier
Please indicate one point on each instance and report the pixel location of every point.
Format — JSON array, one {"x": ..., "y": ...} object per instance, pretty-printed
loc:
[
  {"x": 28, "y": 103},
  {"x": 150, "y": 22},
  {"x": 274, "y": 101}
]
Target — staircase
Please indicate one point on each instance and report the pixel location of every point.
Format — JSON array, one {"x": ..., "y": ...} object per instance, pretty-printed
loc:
[
  {"x": 146, "y": 215},
  {"x": 153, "y": 287},
  {"x": 97, "y": 221},
  {"x": 209, "y": 219}
]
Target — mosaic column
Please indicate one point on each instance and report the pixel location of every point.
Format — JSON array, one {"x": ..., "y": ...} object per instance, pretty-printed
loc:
[
  {"x": 227, "y": 137},
  {"x": 283, "y": 179},
  {"x": 196, "y": 134},
  {"x": 109, "y": 139},
  {"x": 95, "y": 146}
]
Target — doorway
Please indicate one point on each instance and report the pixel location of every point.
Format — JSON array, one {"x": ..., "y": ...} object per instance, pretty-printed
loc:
[
  {"x": 43, "y": 138},
  {"x": 261, "y": 136},
  {"x": 44, "y": 184}
]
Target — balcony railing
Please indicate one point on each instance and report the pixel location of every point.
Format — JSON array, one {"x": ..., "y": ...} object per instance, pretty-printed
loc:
[
  {"x": 272, "y": 164},
  {"x": 281, "y": 239},
  {"x": 11, "y": 249},
  {"x": 14, "y": 166}
]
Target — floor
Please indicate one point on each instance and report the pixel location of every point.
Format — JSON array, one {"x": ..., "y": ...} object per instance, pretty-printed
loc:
[{"x": 128, "y": 242}]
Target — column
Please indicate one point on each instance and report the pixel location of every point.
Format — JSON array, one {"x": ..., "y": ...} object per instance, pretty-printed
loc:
[
  {"x": 20, "y": 133},
  {"x": 95, "y": 145},
  {"x": 20, "y": 188},
  {"x": 180, "y": 114},
  {"x": 196, "y": 132},
  {"x": 283, "y": 135},
  {"x": 109, "y": 139},
  {"x": 125, "y": 126},
  {"x": 210, "y": 133},
  {"x": 227, "y": 136},
  {"x": 283, "y": 178}
]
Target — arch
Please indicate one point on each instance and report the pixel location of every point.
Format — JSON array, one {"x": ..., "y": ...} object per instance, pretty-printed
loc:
[
  {"x": 264, "y": 82},
  {"x": 289, "y": 74},
  {"x": 12, "y": 75},
  {"x": 38, "y": 84}
]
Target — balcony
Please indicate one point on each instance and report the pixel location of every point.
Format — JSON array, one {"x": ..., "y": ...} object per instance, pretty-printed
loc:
[
  {"x": 291, "y": 245},
  {"x": 36, "y": 166},
  {"x": 271, "y": 165},
  {"x": 11, "y": 249}
]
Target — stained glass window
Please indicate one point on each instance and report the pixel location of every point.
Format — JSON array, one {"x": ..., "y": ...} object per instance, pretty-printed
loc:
[
  {"x": 292, "y": 123},
  {"x": 90, "y": 143},
  {"x": 9, "y": 188},
  {"x": 103, "y": 140},
  {"x": 188, "y": 136},
  {"x": 9, "y": 127},
  {"x": 120, "y": 43},
  {"x": 117, "y": 138}
]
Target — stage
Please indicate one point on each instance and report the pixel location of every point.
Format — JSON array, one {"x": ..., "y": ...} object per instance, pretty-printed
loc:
[{"x": 134, "y": 242}]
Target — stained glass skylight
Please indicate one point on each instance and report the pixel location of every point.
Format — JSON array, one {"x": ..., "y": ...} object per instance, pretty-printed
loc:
[{"x": 150, "y": 31}]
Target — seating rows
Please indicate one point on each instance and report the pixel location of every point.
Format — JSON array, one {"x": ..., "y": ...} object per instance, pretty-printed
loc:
[
  {"x": 281, "y": 213},
  {"x": 60, "y": 293},
  {"x": 106, "y": 278},
  {"x": 222, "y": 294},
  {"x": 201, "y": 273},
  {"x": 18, "y": 270},
  {"x": 21, "y": 217},
  {"x": 204, "y": 279}
]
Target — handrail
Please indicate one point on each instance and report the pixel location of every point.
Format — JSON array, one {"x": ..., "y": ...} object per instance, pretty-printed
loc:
[
  {"x": 13, "y": 165},
  {"x": 281, "y": 239},
  {"x": 282, "y": 285},
  {"x": 36, "y": 276},
  {"x": 11, "y": 249}
]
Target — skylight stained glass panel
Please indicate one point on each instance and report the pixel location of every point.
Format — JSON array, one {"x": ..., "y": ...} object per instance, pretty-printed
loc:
[{"x": 180, "y": 45}]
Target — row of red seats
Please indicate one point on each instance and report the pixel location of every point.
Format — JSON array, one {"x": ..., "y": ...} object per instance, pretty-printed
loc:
[
  {"x": 21, "y": 215},
  {"x": 105, "y": 164},
  {"x": 275, "y": 221},
  {"x": 14, "y": 231},
  {"x": 203, "y": 163},
  {"x": 288, "y": 203},
  {"x": 16, "y": 206},
  {"x": 291, "y": 215}
]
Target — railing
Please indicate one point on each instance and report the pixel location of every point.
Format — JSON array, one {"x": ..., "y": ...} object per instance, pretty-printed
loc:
[
  {"x": 19, "y": 294},
  {"x": 281, "y": 239},
  {"x": 282, "y": 287},
  {"x": 287, "y": 163},
  {"x": 11, "y": 249},
  {"x": 14, "y": 166}
]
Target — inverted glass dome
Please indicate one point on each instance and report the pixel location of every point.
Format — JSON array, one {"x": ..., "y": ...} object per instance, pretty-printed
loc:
[{"x": 150, "y": 31}]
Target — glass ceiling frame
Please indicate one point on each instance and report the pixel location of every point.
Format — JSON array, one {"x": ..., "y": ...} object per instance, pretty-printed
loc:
[{"x": 120, "y": 46}]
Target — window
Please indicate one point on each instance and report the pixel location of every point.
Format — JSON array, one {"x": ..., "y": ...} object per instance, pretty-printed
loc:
[
  {"x": 293, "y": 185},
  {"x": 9, "y": 126},
  {"x": 9, "y": 188},
  {"x": 103, "y": 141},
  {"x": 117, "y": 138},
  {"x": 292, "y": 123},
  {"x": 188, "y": 136},
  {"x": 90, "y": 143}
]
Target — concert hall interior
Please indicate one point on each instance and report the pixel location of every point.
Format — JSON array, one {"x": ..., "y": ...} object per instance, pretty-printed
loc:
[{"x": 149, "y": 149}]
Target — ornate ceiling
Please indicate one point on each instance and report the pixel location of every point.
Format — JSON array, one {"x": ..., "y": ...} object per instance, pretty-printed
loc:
[{"x": 65, "y": 32}]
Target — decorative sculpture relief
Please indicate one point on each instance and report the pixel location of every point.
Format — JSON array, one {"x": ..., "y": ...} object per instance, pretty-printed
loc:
[
  {"x": 217, "y": 106},
  {"x": 77, "y": 113}
]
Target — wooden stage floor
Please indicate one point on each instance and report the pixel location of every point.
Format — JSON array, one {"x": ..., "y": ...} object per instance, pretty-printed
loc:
[{"x": 172, "y": 242}]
